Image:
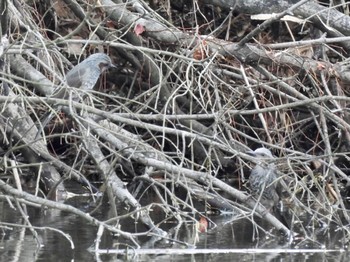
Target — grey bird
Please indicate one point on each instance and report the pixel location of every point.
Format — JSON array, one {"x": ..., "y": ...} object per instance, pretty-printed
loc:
[
  {"x": 83, "y": 76},
  {"x": 263, "y": 177}
]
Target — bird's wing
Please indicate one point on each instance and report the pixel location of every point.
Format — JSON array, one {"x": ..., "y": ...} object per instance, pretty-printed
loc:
[{"x": 74, "y": 77}]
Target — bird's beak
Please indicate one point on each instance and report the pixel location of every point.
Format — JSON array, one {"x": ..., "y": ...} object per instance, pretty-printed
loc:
[
  {"x": 251, "y": 153},
  {"x": 113, "y": 66}
]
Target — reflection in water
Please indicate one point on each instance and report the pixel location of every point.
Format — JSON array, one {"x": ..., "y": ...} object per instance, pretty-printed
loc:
[{"x": 18, "y": 244}]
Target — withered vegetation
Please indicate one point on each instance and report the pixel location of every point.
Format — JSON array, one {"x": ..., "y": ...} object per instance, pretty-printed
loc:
[{"x": 198, "y": 84}]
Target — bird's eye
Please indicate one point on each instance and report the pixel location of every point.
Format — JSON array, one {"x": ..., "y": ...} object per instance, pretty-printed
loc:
[{"x": 103, "y": 66}]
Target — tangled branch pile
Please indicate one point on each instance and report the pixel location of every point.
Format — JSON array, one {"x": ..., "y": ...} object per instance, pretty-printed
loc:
[{"x": 198, "y": 84}]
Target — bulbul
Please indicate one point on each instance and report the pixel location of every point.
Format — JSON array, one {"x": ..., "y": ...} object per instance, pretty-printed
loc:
[
  {"x": 84, "y": 77},
  {"x": 263, "y": 177}
]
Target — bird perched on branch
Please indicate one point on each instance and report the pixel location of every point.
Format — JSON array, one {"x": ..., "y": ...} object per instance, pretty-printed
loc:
[
  {"x": 265, "y": 186},
  {"x": 83, "y": 76},
  {"x": 263, "y": 177}
]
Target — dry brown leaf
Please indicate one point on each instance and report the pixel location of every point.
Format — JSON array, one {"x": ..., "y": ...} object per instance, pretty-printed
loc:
[{"x": 139, "y": 29}]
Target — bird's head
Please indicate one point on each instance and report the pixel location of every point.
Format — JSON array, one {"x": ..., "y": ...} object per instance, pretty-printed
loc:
[
  {"x": 263, "y": 156},
  {"x": 102, "y": 61},
  {"x": 261, "y": 152}
]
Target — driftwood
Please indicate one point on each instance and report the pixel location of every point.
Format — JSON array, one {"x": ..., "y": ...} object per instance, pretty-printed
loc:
[{"x": 183, "y": 107}]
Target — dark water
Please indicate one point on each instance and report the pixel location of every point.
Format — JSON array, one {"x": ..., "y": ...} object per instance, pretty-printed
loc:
[{"x": 18, "y": 244}]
